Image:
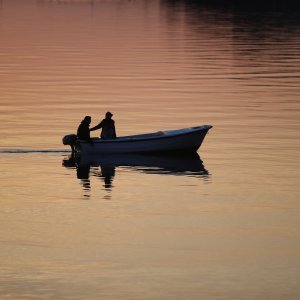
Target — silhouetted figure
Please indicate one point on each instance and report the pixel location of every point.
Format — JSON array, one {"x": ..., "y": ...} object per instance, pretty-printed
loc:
[
  {"x": 83, "y": 131},
  {"x": 83, "y": 173},
  {"x": 108, "y": 127},
  {"x": 108, "y": 174}
]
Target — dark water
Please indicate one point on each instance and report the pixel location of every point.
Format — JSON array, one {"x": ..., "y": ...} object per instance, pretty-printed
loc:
[{"x": 222, "y": 224}]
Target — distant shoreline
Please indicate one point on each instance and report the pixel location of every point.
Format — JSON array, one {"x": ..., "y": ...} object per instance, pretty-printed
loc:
[{"x": 266, "y": 4}]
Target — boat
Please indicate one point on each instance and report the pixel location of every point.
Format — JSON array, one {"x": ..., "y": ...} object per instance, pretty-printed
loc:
[{"x": 181, "y": 140}]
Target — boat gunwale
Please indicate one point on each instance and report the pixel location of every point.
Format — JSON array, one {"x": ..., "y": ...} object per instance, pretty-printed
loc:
[{"x": 150, "y": 138}]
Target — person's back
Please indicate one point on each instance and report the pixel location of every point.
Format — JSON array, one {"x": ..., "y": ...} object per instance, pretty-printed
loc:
[{"x": 83, "y": 131}]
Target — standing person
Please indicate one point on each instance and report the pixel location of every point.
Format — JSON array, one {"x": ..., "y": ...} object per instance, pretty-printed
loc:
[
  {"x": 108, "y": 127},
  {"x": 83, "y": 131}
]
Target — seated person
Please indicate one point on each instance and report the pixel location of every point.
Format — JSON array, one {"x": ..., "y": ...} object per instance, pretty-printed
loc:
[{"x": 83, "y": 131}]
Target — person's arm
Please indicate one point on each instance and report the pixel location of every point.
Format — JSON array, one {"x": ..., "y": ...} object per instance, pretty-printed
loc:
[{"x": 100, "y": 125}]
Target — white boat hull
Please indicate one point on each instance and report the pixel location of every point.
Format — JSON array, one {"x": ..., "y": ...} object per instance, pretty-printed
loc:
[{"x": 183, "y": 140}]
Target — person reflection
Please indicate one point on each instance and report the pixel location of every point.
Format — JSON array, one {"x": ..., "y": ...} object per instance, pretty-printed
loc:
[
  {"x": 84, "y": 170},
  {"x": 107, "y": 173},
  {"x": 83, "y": 173}
]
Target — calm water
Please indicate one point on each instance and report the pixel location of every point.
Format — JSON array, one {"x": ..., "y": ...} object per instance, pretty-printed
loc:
[{"x": 223, "y": 224}]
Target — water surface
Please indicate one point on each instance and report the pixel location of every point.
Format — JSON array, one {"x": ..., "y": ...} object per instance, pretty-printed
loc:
[{"x": 221, "y": 225}]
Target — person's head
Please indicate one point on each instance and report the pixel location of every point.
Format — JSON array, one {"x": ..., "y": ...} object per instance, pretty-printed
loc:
[
  {"x": 108, "y": 115},
  {"x": 87, "y": 119}
]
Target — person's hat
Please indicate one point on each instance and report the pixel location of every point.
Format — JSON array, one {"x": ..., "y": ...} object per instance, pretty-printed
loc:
[{"x": 109, "y": 114}]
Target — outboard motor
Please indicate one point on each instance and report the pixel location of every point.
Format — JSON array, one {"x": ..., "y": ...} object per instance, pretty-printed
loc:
[{"x": 70, "y": 139}]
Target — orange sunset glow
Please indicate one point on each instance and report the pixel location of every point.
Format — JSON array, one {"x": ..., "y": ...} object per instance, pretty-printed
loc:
[{"x": 219, "y": 223}]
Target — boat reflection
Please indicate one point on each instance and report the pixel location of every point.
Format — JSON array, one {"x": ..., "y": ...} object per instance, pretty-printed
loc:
[{"x": 104, "y": 166}]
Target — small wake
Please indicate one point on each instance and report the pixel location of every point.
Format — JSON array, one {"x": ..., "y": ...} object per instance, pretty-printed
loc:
[{"x": 22, "y": 151}]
